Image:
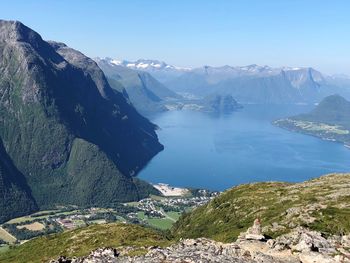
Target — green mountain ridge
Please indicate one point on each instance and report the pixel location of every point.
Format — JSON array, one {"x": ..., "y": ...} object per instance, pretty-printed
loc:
[
  {"x": 81, "y": 241},
  {"x": 333, "y": 109},
  {"x": 330, "y": 120},
  {"x": 74, "y": 139},
  {"x": 320, "y": 204}
]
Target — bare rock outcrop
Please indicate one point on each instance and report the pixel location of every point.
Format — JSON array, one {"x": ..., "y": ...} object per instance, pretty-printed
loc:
[{"x": 299, "y": 246}]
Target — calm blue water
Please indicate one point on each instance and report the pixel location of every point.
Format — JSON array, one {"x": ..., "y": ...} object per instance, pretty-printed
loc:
[{"x": 218, "y": 152}]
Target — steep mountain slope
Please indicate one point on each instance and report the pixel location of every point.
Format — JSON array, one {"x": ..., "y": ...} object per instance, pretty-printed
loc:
[
  {"x": 321, "y": 204},
  {"x": 330, "y": 120},
  {"x": 15, "y": 196},
  {"x": 74, "y": 139},
  {"x": 144, "y": 91}
]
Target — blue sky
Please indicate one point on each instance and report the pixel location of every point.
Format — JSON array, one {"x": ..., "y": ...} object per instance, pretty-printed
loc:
[{"x": 193, "y": 32}]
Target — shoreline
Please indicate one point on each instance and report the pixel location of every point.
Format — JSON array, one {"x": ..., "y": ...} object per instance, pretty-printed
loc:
[{"x": 305, "y": 132}]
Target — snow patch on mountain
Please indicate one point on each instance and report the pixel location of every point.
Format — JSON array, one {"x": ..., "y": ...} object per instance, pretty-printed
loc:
[{"x": 146, "y": 64}]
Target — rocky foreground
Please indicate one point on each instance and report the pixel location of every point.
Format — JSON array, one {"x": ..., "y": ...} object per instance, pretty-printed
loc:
[{"x": 301, "y": 245}]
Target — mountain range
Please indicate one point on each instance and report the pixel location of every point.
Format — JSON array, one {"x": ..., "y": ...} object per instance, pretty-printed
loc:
[
  {"x": 159, "y": 69},
  {"x": 256, "y": 84},
  {"x": 145, "y": 93},
  {"x": 66, "y": 136},
  {"x": 247, "y": 84}
]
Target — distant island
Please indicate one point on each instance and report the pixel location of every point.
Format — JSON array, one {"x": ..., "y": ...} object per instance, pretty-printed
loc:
[
  {"x": 330, "y": 120},
  {"x": 222, "y": 104}
]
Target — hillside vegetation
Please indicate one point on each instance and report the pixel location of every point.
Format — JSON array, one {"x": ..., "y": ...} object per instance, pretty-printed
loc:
[
  {"x": 321, "y": 204},
  {"x": 81, "y": 241}
]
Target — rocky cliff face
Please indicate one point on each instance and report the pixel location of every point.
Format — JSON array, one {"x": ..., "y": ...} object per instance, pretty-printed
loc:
[{"x": 73, "y": 138}]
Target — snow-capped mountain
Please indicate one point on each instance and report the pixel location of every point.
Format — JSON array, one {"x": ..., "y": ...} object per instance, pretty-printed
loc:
[
  {"x": 147, "y": 64},
  {"x": 160, "y": 70},
  {"x": 250, "y": 83},
  {"x": 145, "y": 92}
]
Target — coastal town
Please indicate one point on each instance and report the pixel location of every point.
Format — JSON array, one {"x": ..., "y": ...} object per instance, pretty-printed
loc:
[{"x": 158, "y": 211}]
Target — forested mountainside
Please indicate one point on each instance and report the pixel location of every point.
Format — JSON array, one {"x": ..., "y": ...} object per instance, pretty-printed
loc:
[
  {"x": 15, "y": 194},
  {"x": 74, "y": 139}
]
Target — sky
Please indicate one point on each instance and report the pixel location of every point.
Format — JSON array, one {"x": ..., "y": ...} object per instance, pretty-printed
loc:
[{"x": 193, "y": 33}]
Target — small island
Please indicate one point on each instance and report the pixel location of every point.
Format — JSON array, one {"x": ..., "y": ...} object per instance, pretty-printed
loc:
[{"x": 222, "y": 104}]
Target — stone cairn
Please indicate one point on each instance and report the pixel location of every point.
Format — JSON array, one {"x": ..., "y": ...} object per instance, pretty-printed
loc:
[{"x": 253, "y": 233}]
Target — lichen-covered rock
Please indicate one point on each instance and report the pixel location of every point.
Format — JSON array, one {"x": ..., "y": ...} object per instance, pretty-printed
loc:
[
  {"x": 303, "y": 240},
  {"x": 105, "y": 255},
  {"x": 313, "y": 249}
]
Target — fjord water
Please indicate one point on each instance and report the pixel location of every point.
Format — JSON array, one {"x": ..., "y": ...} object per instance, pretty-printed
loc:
[{"x": 219, "y": 151}]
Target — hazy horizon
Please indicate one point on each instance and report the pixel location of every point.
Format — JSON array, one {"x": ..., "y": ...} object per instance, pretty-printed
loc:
[{"x": 195, "y": 33}]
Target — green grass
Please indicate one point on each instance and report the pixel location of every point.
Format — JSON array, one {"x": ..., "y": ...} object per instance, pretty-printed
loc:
[
  {"x": 157, "y": 197},
  {"x": 132, "y": 203},
  {"x": 141, "y": 215},
  {"x": 226, "y": 216},
  {"x": 4, "y": 248},
  {"x": 82, "y": 241},
  {"x": 98, "y": 221},
  {"x": 43, "y": 212},
  {"x": 174, "y": 215},
  {"x": 160, "y": 223},
  {"x": 332, "y": 220},
  {"x": 30, "y": 218}
]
